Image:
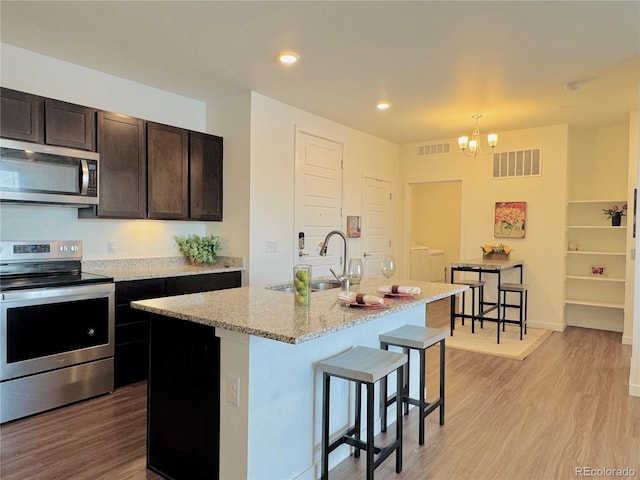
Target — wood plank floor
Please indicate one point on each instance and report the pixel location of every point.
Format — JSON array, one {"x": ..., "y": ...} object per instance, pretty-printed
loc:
[{"x": 565, "y": 406}]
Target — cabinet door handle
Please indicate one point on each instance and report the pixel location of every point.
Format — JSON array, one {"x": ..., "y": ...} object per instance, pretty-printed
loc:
[{"x": 365, "y": 254}]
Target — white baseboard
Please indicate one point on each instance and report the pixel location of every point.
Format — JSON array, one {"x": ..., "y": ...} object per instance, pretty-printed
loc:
[{"x": 556, "y": 327}]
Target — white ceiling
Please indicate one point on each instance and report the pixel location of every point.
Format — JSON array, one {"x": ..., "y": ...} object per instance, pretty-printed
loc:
[{"x": 436, "y": 62}]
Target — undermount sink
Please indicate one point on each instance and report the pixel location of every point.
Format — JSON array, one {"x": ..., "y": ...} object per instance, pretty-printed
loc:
[{"x": 316, "y": 286}]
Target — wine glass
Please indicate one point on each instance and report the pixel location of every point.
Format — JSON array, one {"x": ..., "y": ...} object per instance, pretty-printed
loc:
[
  {"x": 388, "y": 266},
  {"x": 356, "y": 271}
]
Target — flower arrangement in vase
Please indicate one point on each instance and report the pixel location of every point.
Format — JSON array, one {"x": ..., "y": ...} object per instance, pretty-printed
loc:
[
  {"x": 496, "y": 250},
  {"x": 615, "y": 213}
]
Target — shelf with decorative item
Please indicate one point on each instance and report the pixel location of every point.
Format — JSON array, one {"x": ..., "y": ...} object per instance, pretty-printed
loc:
[
  {"x": 592, "y": 303},
  {"x": 596, "y": 213},
  {"x": 593, "y": 252},
  {"x": 595, "y": 278}
]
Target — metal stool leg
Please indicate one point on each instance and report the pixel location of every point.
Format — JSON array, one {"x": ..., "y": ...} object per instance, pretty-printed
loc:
[
  {"x": 400, "y": 375},
  {"x": 422, "y": 398},
  {"x": 325, "y": 427},
  {"x": 370, "y": 446},
  {"x": 358, "y": 416},
  {"x": 383, "y": 396}
]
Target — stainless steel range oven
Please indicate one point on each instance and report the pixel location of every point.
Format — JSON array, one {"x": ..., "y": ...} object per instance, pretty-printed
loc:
[{"x": 56, "y": 328}]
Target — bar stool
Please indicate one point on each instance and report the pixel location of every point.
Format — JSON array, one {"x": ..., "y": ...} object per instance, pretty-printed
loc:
[
  {"x": 364, "y": 366},
  {"x": 521, "y": 290},
  {"x": 414, "y": 337},
  {"x": 473, "y": 285}
]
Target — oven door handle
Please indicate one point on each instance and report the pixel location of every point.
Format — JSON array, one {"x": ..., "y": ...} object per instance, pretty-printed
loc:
[{"x": 59, "y": 294}]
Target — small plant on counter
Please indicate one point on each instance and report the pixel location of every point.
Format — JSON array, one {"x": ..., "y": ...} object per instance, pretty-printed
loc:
[{"x": 199, "y": 250}]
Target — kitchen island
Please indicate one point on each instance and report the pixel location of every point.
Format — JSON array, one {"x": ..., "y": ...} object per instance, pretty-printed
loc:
[{"x": 269, "y": 393}]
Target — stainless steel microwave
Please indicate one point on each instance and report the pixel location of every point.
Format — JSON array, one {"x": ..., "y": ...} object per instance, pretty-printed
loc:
[{"x": 44, "y": 174}]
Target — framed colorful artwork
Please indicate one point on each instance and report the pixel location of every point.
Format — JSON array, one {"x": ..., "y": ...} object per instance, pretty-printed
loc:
[
  {"x": 509, "y": 220},
  {"x": 353, "y": 226}
]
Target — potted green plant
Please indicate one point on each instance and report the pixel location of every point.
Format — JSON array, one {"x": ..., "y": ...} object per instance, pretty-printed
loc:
[{"x": 199, "y": 250}]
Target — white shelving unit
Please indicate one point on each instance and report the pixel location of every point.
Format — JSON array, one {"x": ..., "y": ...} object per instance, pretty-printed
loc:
[{"x": 594, "y": 301}]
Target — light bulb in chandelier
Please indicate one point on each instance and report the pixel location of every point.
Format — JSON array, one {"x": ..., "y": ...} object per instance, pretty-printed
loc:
[{"x": 471, "y": 147}]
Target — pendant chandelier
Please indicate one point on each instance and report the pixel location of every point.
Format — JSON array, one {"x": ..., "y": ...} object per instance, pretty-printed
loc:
[{"x": 472, "y": 147}]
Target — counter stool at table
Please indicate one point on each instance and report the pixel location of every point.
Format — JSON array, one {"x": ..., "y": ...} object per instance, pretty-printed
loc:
[
  {"x": 364, "y": 366},
  {"x": 473, "y": 286},
  {"x": 521, "y": 290},
  {"x": 414, "y": 337}
]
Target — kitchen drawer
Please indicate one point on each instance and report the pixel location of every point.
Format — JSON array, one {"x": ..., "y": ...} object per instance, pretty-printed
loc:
[
  {"x": 202, "y": 283},
  {"x": 132, "y": 332},
  {"x": 128, "y": 291}
]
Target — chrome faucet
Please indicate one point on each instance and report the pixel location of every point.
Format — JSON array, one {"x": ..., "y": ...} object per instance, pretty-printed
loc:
[{"x": 344, "y": 278}]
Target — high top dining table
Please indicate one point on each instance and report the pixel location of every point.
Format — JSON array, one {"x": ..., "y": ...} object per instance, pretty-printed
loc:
[{"x": 484, "y": 265}]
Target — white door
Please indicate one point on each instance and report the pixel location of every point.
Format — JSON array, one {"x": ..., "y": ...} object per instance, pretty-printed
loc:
[
  {"x": 318, "y": 201},
  {"x": 376, "y": 200}
]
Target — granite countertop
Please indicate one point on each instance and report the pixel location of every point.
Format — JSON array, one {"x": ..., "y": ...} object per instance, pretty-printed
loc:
[
  {"x": 145, "y": 268},
  {"x": 272, "y": 314}
]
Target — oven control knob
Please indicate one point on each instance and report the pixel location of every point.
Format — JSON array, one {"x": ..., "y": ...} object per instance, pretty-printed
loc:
[
  {"x": 91, "y": 332},
  {"x": 63, "y": 248},
  {"x": 74, "y": 248}
]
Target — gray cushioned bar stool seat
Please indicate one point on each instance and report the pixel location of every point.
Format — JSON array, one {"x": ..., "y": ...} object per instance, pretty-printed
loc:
[
  {"x": 415, "y": 337},
  {"x": 521, "y": 290},
  {"x": 364, "y": 366}
]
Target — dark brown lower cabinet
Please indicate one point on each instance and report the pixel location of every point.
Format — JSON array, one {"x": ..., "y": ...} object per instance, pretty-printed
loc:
[
  {"x": 131, "y": 362},
  {"x": 183, "y": 414},
  {"x": 131, "y": 359}
]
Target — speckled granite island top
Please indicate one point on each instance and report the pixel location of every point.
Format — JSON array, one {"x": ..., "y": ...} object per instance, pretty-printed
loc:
[{"x": 272, "y": 314}]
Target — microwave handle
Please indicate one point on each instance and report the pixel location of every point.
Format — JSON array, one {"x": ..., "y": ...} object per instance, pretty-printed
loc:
[{"x": 84, "y": 176}]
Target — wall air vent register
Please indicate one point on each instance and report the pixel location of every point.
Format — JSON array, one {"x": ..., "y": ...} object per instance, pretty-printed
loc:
[
  {"x": 519, "y": 163},
  {"x": 433, "y": 149}
]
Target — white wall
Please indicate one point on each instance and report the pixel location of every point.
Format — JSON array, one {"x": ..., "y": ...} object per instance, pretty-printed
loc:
[
  {"x": 273, "y": 127},
  {"x": 33, "y": 73},
  {"x": 632, "y": 287},
  {"x": 542, "y": 249},
  {"x": 230, "y": 116}
]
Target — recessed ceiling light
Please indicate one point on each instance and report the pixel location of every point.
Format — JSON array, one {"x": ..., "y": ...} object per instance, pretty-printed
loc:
[
  {"x": 383, "y": 106},
  {"x": 288, "y": 57}
]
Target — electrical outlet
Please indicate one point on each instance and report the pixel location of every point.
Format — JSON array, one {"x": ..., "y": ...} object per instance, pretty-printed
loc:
[
  {"x": 112, "y": 246},
  {"x": 233, "y": 390}
]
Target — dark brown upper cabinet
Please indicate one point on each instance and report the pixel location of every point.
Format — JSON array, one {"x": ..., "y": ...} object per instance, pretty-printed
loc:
[
  {"x": 69, "y": 125},
  {"x": 205, "y": 177},
  {"x": 167, "y": 172},
  {"x": 123, "y": 166},
  {"x": 21, "y": 116}
]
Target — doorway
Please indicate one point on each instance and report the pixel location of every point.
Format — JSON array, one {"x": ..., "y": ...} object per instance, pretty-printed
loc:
[
  {"x": 376, "y": 201},
  {"x": 435, "y": 218}
]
